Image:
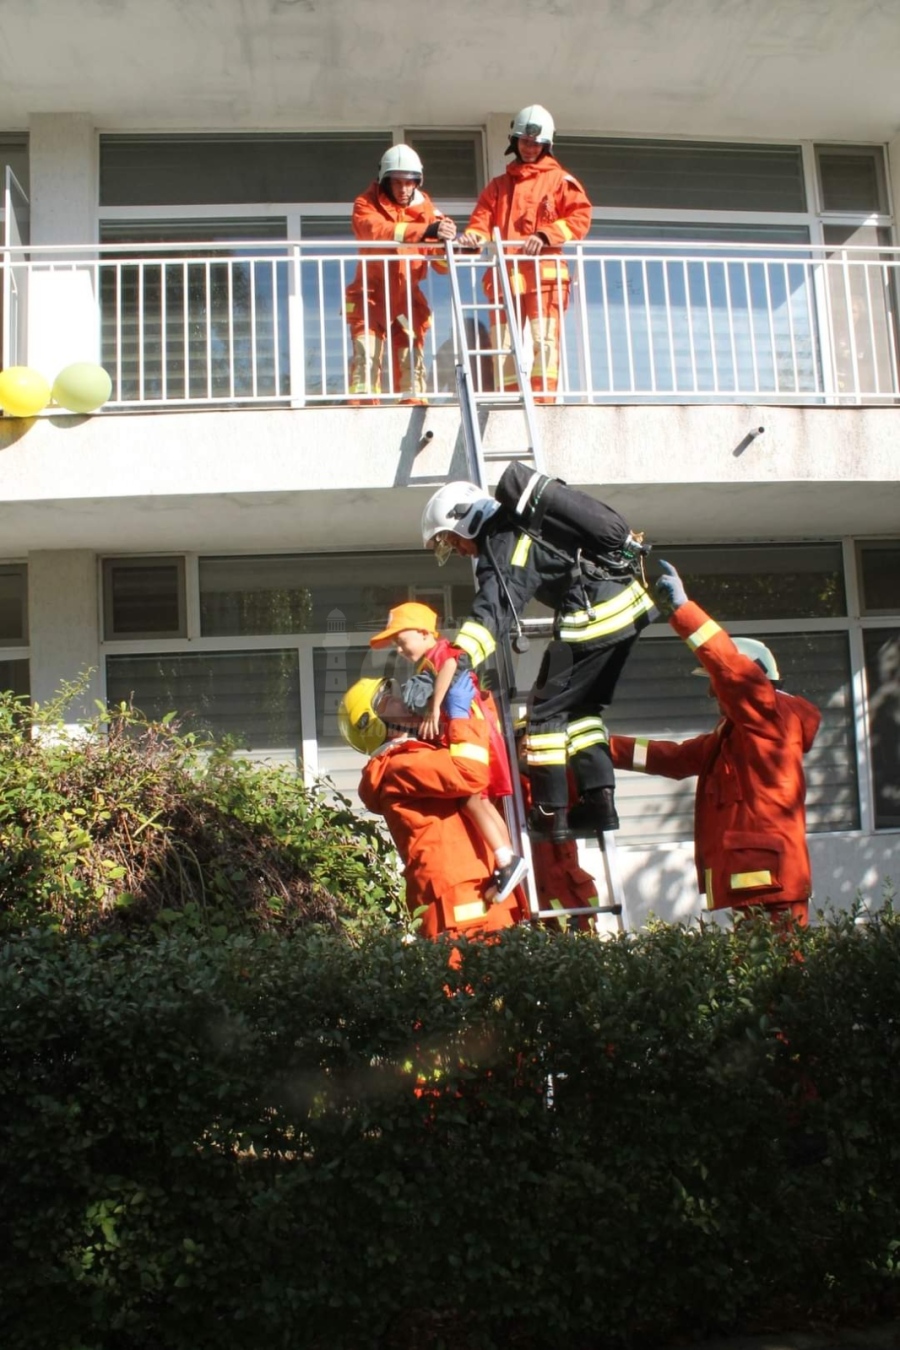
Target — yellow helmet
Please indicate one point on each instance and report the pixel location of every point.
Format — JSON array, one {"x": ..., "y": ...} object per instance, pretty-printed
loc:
[{"x": 358, "y": 722}]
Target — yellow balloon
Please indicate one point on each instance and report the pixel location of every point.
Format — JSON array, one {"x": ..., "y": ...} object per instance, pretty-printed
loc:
[
  {"x": 82, "y": 387},
  {"x": 23, "y": 392}
]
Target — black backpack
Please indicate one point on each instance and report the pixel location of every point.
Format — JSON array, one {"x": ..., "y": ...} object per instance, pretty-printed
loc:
[{"x": 569, "y": 520}]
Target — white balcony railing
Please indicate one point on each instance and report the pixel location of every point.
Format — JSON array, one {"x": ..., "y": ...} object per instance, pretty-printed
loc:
[{"x": 242, "y": 323}]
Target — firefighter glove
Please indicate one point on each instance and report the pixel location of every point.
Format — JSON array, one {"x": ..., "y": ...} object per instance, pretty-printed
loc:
[
  {"x": 668, "y": 590},
  {"x": 416, "y": 693}
]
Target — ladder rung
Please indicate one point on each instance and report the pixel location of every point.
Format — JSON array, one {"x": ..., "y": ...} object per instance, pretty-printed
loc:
[{"x": 499, "y": 455}]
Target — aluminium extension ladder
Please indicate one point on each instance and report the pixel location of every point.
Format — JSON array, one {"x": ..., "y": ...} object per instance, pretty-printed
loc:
[{"x": 472, "y": 400}]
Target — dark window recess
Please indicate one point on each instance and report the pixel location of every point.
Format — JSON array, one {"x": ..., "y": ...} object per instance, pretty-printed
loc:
[
  {"x": 762, "y": 581},
  {"x": 879, "y": 575},
  {"x": 852, "y": 178},
  {"x": 882, "y": 655},
  {"x": 452, "y": 164},
  {"x": 251, "y": 697},
  {"x": 13, "y": 605},
  {"x": 204, "y": 170},
  {"x": 686, "y": 176},
  {"x": 144, "y": 599}
]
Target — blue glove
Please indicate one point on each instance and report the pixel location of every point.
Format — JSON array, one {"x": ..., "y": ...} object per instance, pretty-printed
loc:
[
  {"x": 668, "y": 590},
  {"x": 458, "y": 699}
]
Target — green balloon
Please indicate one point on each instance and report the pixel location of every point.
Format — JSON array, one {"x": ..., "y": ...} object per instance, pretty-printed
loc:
[{"x": 82, "y": 387}]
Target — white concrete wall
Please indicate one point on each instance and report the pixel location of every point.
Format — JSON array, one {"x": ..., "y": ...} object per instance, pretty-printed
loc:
[
  {"x": 342, "y": 477},
  {"x": 64, "y": 627},
  {"x": 661, "y": 881},
  {"x": 63, "y": 323}
]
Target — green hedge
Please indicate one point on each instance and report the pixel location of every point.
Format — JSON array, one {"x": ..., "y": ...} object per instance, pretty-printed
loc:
[
  {"x": 259, "y": 1141},
  {"x": 132, "y": 825}
]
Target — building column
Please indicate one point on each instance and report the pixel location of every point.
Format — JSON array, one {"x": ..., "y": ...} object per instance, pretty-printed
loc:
[
  {"x": 64, "y": 627},
  {"x": 64, "y": 172}
]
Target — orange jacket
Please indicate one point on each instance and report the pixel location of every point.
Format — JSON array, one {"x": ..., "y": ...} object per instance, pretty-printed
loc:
[
  {"x": 417, "y": 786},
  {"x": 377, "y": 216},
  {"x": 749, "y": 812},
  {"x": 528, "y": 199}
]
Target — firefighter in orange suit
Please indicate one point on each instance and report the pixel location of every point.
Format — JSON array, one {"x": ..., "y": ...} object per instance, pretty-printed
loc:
[
  {"x": 385, "y": 303},
  {"x": 418, "y": 786},
  {"x": 538, "y": 202},
  {"x": 749, "y": 814}
]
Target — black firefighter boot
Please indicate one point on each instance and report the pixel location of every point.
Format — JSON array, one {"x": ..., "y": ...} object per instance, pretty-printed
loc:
[
  {"x": 595, "y": 813},
  {"x": 549, "y": 822}
]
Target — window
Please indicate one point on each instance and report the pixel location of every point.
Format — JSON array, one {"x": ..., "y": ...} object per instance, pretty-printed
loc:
[
  {"x": 452, "y": 161},
  {"x": 13, "y": 605},
  {"x": 882, "y": 655},
  {"x": 879, "y": 577},
  {"x": 686, "y": 175},
  {"x": 852, "y": 178},
  {"x": 209, "y": 169},
  {"x": 14, "y": 677},
  {"x": 305, "y": 593},
  {"x": 252, "y": 696},
  {"x": 143, "y": 598},
  {"x": 763, "y": 581}
]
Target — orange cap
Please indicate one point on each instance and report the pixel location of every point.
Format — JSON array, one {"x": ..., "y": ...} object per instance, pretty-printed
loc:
[{"x": 409, "y": 615}]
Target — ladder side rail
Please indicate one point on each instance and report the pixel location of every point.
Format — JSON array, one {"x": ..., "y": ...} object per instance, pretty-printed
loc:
[
  {"x": 463, "y": 369},
  {"x": 515, "y": 338},
  {"x": 513, "y": 807}
]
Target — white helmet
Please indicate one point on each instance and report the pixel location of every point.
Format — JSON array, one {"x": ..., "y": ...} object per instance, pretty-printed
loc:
[
  {"x": 400, "y": 159},
  {"x": 533, "y": 121},
  {"x": 456, "y": 508},
  {"x": 757, "y": 651}
]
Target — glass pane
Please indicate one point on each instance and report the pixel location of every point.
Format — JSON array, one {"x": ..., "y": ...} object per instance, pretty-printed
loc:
[
  {"x": 686, "y": 176},
  {"x": 314, "y": 594},
  {"x": 852, "y": 178},
  {"x": 669, "y": 320},
  {"x": 452, "y": 164},
  {"x": 209, "y": 169},
  {"x": 177, "y": 328},
  {"x": 862, "y": 294},
  {"x": 882, "y": 655},
  {"x": 660, "y": 698},
  {"x": 143, "y": 599},
  {"x": 14, "y": 676},
  {"x": 762, "y": 581},
  {"x": 13, "y": 606},
  {"x": 879, "y": 577},
  {"x": 253, "y": 697}
]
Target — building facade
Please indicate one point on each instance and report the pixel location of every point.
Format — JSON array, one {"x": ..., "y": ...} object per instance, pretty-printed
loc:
[{"x": 222, "y": 537}]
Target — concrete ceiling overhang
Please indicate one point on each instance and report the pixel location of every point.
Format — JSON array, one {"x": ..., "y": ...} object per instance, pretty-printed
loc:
[
  {"x": 757, "y": 68},
  {"x": 342, "y": 520}
]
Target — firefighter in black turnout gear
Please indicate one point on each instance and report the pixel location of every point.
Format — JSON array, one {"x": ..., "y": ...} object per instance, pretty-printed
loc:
[{"x": 599, "y": 604}]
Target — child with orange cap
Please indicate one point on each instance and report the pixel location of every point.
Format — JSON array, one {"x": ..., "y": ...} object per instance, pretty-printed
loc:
[{"x": 413, "y": 629}]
